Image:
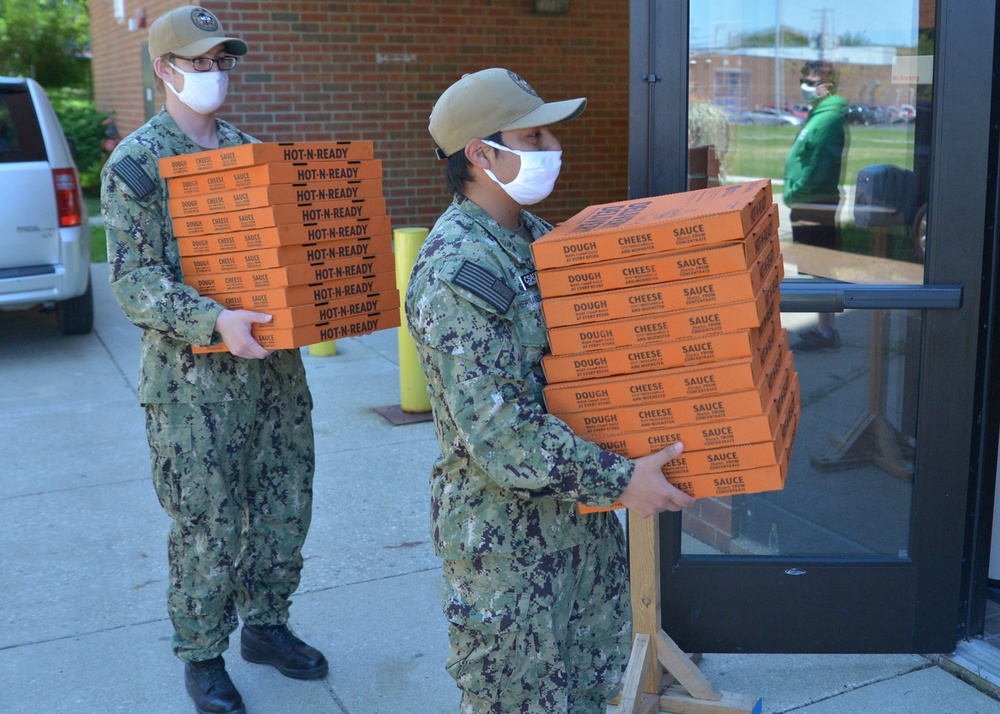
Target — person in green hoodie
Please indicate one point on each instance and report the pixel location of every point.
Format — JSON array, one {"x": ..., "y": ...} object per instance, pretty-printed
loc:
[{"x": 813, "y": 172}]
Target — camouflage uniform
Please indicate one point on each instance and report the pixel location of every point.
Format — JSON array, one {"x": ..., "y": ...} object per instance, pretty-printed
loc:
[
  {"x": 231, "y": 439},
  {"x": 535, "y": 592}
]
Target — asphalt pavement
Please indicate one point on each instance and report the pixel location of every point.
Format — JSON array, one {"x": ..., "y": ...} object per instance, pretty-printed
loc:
[{"x": 83, "y": 627}]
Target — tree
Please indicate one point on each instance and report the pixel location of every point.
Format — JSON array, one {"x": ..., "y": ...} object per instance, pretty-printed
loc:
[
  {"x": 765, "y": 38},
  {"x": 47, "y": 40},
  {"x": 853, "y": 39}
]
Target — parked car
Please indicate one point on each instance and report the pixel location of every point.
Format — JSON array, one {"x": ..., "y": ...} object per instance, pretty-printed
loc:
[
  {"x": 796, "y": 110},
  {"x": 44, "y": 227},
  {"x": 866, "y": 114},
  {"x": 904, "y": 113},
  {"x": 859, "y": 114},
  {"x": 768, "y": 116}
]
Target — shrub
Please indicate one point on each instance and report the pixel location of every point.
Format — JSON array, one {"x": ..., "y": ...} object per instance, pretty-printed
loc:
[{"x": 83, "y": 125}]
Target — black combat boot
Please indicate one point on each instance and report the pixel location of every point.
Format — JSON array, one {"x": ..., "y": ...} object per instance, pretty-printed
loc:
[
  {"x": 211, "y": 688},
  {"x": 277, "y": 646}
]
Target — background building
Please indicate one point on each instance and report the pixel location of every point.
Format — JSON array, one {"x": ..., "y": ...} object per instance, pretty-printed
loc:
[{"x": 372, "y": 70}]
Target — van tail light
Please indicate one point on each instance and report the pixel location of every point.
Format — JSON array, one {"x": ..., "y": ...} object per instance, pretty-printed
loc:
[{"x": 68, "y": 197}]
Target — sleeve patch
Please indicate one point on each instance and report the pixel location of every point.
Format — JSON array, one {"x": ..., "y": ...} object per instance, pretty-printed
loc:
[
  {"x": 129, "y": 171},
  {"x": 484, "y": 284}
]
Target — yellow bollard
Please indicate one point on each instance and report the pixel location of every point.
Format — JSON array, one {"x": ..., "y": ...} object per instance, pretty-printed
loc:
[
  {"x": 323, "y": 349},
  {"x": 412, "y": 382}
]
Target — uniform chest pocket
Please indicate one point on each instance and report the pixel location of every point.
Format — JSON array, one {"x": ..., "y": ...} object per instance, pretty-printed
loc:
[{"x": 528, "y": 319}]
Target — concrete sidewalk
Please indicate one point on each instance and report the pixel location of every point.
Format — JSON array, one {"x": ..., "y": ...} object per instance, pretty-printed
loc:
[{"x": 82, "y": 546}]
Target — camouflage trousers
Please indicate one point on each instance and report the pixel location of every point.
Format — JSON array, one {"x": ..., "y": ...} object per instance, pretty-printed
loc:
[
  {"x": 541, "y": 635},
  {"x": 236, "y": 478}
]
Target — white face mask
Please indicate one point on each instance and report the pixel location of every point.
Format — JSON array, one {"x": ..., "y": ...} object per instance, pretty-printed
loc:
[
  {"x": 536, "y": 177},
  {"x": 204, "y": 92},
  {"x": 810, "y": 94}
]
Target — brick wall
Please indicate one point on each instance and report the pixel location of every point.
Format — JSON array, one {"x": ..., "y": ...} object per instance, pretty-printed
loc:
[
  {"x": 117, "y": 62},
  {"x": 714, "y": 522},
  {"x": 372, "y": 70}
]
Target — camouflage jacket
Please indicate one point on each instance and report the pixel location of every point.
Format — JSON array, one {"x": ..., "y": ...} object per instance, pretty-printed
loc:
[
  {"x": 509, "y": 475},
  {"x": 145, "y": 274}
]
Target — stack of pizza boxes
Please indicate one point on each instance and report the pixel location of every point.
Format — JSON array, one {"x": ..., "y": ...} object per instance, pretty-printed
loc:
[
  {"x": 664, "y": 325},
  {"x": 297, "y": 230}
]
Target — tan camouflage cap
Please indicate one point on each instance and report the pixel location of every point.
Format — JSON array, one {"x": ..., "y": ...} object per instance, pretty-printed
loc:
[
  {"x": 190, "y": 31},
  {"x": 488, "y": 101}
]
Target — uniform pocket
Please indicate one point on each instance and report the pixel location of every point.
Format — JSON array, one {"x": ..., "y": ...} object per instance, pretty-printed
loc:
[
  {"x": 528, "y": 319},
  {"x": 484, "y": 632},
  {"x": 171, "y": 450}
]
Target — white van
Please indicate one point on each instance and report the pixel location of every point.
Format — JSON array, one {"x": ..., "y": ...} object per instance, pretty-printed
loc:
[{"x": 44, "y": 226}]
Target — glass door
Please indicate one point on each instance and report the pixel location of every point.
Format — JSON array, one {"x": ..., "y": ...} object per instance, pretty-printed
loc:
[{"x": 872, "y": 136}]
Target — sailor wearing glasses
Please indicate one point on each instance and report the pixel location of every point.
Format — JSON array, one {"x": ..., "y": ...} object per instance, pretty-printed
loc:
[{"x": 230, "y": 434}]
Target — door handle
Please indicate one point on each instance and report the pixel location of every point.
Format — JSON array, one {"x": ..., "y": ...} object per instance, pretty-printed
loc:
[{"x": 828, "y": 296}]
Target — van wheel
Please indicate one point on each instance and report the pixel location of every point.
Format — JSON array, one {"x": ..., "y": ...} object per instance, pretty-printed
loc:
[{"x": 76, "y": 315}]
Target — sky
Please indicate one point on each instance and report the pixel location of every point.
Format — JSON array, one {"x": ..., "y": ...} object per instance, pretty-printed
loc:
[{"x": 893, "y": 23}]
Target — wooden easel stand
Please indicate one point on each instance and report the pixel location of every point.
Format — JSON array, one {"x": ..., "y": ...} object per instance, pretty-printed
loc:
[{"x": 646, "y": 687}]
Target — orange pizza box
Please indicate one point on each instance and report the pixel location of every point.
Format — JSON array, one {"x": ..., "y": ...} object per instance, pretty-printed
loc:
[
  {"x": 252, "y": 154},
  {"x": 636, "y": 302},
  {"x": 787, "y": 383},
  {"x": 676, "y": 353},
  {"x": 727, "y": 459},
  {"x": 266, "y": 174},
  {"x": 789, "y": 425},
  {"x": 667, "y": 266},
  {"x": 262, "y": 196},
  {"x": 608, "y": 423},
  {"x": 751, "y": 480},
  {"x": 661, "y": 385},
  {"x": 695, "y": 437},
  {"x": 287, "y": 318},
  {"x": 266, "y": 258},
  {"x": 779, "y": 373},
  {"x": 756, "y": 480},
  {"x": 704, "y": 434},
  {"x": 281, "y": 214},
  {"x": 759, "y": 480},
  {"x": 668, "y": 325},
  {"x": 266, "y": 300},
  {"x": 733, "y": 483},
  {"x": 649, "y": 225},
  {"x": 603, "y": 423},
  {"x": 301, "y": 273},
  {"x": 272, "y": 339},
  {"x": 276, "y": 236},
  {"x": 683, "y": 294}
]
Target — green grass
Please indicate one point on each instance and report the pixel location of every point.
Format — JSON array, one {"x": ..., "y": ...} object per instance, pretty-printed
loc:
[
  {"x": 760, "y": 151},
  {"x": 98, "y": 242},
  {"x": 98, "y": 245},
  {"x": 862, "y": 241}
]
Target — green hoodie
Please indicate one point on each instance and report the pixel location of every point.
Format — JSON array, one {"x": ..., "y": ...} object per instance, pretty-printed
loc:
[{"x": 813, "y": 167}]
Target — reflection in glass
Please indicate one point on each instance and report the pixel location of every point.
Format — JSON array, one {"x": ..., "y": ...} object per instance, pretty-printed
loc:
[
  {"x": 849, "y": 485},
  {"x": 852, "y": 198},
  {"x": 745, "y": 95}
]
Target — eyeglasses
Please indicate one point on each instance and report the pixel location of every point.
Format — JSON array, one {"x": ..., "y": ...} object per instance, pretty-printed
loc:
[{"x": 204, "y": 64}]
